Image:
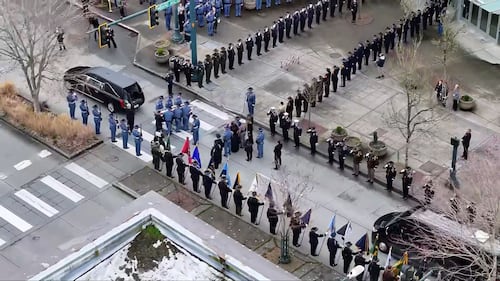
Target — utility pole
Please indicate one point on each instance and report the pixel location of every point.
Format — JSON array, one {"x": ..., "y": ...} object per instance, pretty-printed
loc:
[
  {"x": 194, "y": 23},
  {"x": 455, "y": 142},
  {"x": 176, "y": 37}
]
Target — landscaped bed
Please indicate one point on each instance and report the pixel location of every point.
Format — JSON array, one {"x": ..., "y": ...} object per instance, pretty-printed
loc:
[
  {"x": 59, "y": 131},
  {"x": 152, "y": 256}
]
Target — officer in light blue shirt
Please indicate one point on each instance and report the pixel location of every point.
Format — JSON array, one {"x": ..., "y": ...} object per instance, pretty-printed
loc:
[
  {"x": 178, "y": 100},
  {"x": 199, "y": 15},
  {"x": 251, "y": 101},
  {"x": 84, "y": 108},
  {"x": 169, "y": 103},
  {"x": 237, "y": 7},
  {"x": 136, "y": 133},
  {"x": 196, "y": 129},
  {"x": 72, "y": 98},
  {"x": 112, "y": 126},
  {"x": 210, "y": 23},
  {"x": 97, "y": 119},
  {"x": 260, "y": 143},
  {"x": 227, "y": 8},
  {"x": 168, "y": 116},
  {"x": 159, "y": 104},
  {"x": 227, "y": 141},
  {"x": 124, "y": 128},
  {"x": 177, "y": 118},
  {"x": 168, "y": 17},
  {"x": 186, "y": 112}
]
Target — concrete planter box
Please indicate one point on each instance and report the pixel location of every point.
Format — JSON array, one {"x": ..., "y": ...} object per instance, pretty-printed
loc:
[
  {"x": 352, "y": 142},
  {"x": 467, "y": 104},
  {"x": 162, "y": 44},
  {"x": 249, "y": 4},
  {"x": 378, "y": 148},
  {"x": 162, "y": 58},
  {"x": 338, "y": 134}
]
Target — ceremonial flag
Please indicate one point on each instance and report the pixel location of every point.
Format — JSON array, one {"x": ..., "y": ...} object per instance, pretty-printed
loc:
[
  {"x": 288, "y": 206},
  {"x": 331, "y": 227},
  {"x": 364, "y": 243},
  {"x": 344, "y": 230},
  {"x": 388, "y": 260},
  {"x": 374, "y": 247},
  {"x": 185, "y": 147},
  {"x": 269, "y": 194},
  {"x": 237, "y": 180},
  {"x": 196, "y": 156},
  {"x": 306, "y": 217},
  {"x": 225, "y": 172}
]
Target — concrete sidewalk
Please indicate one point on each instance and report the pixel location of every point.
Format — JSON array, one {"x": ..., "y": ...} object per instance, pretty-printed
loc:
[{"x": 360, "y": 107}]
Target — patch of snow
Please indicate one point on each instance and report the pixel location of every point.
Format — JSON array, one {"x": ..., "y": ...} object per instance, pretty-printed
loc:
[
  {"x": 157, "y": 244},
  {"x": 45, "y": 265},
  {"x": 181, "y": 266}
]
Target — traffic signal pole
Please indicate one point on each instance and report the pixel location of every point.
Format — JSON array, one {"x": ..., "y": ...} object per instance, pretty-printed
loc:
[{"x": 194, "y": 23}]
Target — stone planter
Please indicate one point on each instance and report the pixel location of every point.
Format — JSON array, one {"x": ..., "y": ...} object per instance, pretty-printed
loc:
[
  {"x": 162, "y": 58},
  {"x": 352, "y": 142},
  {"x": 338, "y": 134},
  {"x": 161, "y": 44},
  {"x": 378, "y": 148},
  {"x": 249, "y": 4},
  {"x": 467, "y": 103}
]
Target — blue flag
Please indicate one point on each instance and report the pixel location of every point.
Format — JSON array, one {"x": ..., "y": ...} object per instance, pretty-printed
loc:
[
  {"x": 363, "y": 243},
  {"x": 306, "y": 218},
  {"x": 225, "y": 173},
  {"x": 331, "y": 227},
  {"x": 196, "y": 156},
  {"x": 269, "y": 194}
]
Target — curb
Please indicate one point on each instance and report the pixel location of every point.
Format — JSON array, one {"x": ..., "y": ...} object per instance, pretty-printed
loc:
[
  {"x": 51, "y": 146},
  {"x": 396, "y": 188},
  {"x": 125, "y": 189}
]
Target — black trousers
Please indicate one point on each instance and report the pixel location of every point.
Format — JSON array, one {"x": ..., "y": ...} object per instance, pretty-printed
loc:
[
  {"x": 335, "y": 84},
  {"x": 223, "y": 66},
  {"x": 367, "y": 56},
  {"x": 285, "y": 134},
  {"x": 259, "y": 47},
  {"x": 347, "y": 263},
  {"x": 231, "y": 62},
  {"x": 466, "y": 152},
  {"x": 239, "y": 207},
  {"x": 314, "y": 246},
  {"x": 208, "y": 190},
  {"x": 405, "y": 191},
  {"x": 296, "y": 140},
  {"x": 272, "y": 225},
  {"x": 253, "y": 216},
  {"x": 196, "y": 183},
  {"x": 249, "y": 155},
  {"x": 249, "y": 53},
  {"x": 223, "y": 197},
  {"x": 327, "y": 89},
  {"x": 389, "y": 183},
  {"x": 272, "y": 127},
  {"x": 168, "y": 168},
  {"x": 274, "y": 41},
  {"x": 180, "y": 175},
  {"x": 313, "y": 148},
  {"x": 240, "y": 58},
  {"x": 156, "y": 162},
  {"x": 332, "y": 257},
  {"x": 266, "y": 45},
  {"x": 295, "y": 236}
]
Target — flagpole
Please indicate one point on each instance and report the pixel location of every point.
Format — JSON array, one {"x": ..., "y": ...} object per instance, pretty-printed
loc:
[
  {"x": 261, "y": 212},
  {"x": 322, "y": 243},
  {"x": 302, "y": 239}
]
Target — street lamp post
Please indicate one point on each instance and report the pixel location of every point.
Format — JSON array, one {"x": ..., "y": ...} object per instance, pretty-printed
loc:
[
  {"x": 176, "y": 37},
  {"x": 193, "y": 22},
  {"x": 455, "y": 142}
]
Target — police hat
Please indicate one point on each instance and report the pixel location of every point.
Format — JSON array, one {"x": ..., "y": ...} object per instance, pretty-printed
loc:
[
  {"x": 314, "y": 229},
  {"x": 250, "y": 88},
  {"x": 273, "y": 108},
  {"x": 217, "y": 135},
  {"x": 348, "y": 244},
  {"x": 296, "y": 121},
  {"x": 223, "y": 176},
  {"x": 195, "y": 116},
  {"x": 286, "y": 113},
  {"x": 260, "y": 129},
  {"x": 161, "y": 97},
  {"x": 95, "y": 106}
]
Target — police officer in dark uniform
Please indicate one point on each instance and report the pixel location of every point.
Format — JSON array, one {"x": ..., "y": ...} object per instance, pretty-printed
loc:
[
  {"x": 230, "y": 56},
  {"x": 418, "y": 21},
  {"x": 407, "y": 179},
  {"x": 224, "y": 191},
  {"x": 222, "y": 60},
  {"x": 258, "y": 42},
  {"x": 188, "y": 71},
  {"x": 200, "y": 70},
  {"x": 208, "y": 180},
  {"x": 341, "y": 152},
  {"x": 326, "y": 82},
  {"x": 208, "y": 68},
  {"x": 285, "y": 125},
  {"x": 303, "y": 17},
  {"x": 390, "y": 175},
  {"x": 318, "y": 9},
  {"x": 313, "y": 139},
  {"x": 331, "y": 150},
  {"x": 215, "y": 63},
  {"x": 359, "y": 55},
  {"x": 296, "y": 21},
  {"x": 335, "y": 78},
  {"x": 392, "y": 36},
  {"x": 249, "y": 45},
  {"x": 274, "y": 33},
  {"x": 273, "y": 118},
  {"x": 310, "y": 15},
  {"x": 354, "y": 10},
  {"x": 413, "y": 20},
  {"x": 239, "y": 51},
  {"x": 341, "y": 4},
  {"x": 281, "y": 29},
  {"x": 343, "y": 72},
  {"x": 406, "y": 27},
  {"x": 297, "y": 133},
  {"x": 324, "y": 6},
  {"x": 425, "y": 18},
  {"x": 387, "y": 41},
  {"x": 298, "y": 104},
  {"x": 181, "y": 168},
  {"x": 195, "y": 173},
  {"x": 288, "y": 25},
  {"x": 374, "y": 46},
  {"x": 267, "y": 38},
  {"x": 366, "y": 51},
  {"x": 399, "y": 30},
  {"x": 177, "y": 69},
  {"x": 352, "y": 60},
  {"x": 313, "y": 240}
]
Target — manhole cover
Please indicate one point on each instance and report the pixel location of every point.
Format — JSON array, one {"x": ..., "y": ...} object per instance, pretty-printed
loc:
[
  {"x": 132, "y": 34},
  {"x": 335, "y": 55},
  {"x": 111, "y": 159}
]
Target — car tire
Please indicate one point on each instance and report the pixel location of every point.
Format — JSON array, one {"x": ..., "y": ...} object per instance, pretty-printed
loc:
[
  {"x": 111, "y": 107},
  {"x": 382, "y": 247}
]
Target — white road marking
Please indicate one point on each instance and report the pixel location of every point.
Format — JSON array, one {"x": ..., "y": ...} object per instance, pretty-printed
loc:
[
  {"x": 36, "y": 203},
  {"x": 2, "y": 242},
  {"x": 131, "y": 149},
  {"x": 203, "y": 125},
  {"x": 22, "y": 165},
  {"x": 210, "y": 109},
  {"x": 86, "y": 175},
  {"x": 147, "y": 136},
  {"x": 3, "y": 176},
  {"x": 183, "y": 135},
  {"x": 44, "y": 153},
  {"x": 16, "y": 221},
  {"x": 62, "y": 188}
]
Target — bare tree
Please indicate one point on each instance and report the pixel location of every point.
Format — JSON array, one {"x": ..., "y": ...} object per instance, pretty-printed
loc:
[
  {"x": 28, "y": 38},
  {"x": 290, "y": 190},
  {"x": 447, "y": 43},
  {"x": 417, "y": 114},
  {"x": 465, "y": 235},
  {"x": 309, "y": 95}
]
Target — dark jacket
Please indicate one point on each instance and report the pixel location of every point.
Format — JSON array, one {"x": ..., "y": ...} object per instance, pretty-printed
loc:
[
  {"x": 253, "y": 204},
  {"x": 238, "y": 197}
]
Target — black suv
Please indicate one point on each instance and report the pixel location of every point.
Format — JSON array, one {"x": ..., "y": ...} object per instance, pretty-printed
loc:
[{"x": 115, "y": 90}]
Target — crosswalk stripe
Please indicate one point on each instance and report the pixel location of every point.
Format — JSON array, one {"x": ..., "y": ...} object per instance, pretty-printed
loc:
[
  {"x": 36, "y": 203},
  {"x": 147, "y": 136},
  {"x": 16, "y": 221},
  {"x": 183, "y": 135},
  {"x": 210, "y": 109},
  {"x": 86, "y": 175},
  {"x": 62, "y": 188},
  {"x": 2, "y": 242},
  {"x": 131, "y": 150},
  {"x": 44, "y": 153},
  {"x": 203, "y": 125},
  {"x": 22, "y": 165}
]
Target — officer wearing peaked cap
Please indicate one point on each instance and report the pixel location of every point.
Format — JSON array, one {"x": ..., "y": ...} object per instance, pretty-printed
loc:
[{"x": 297, "y": 133}]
